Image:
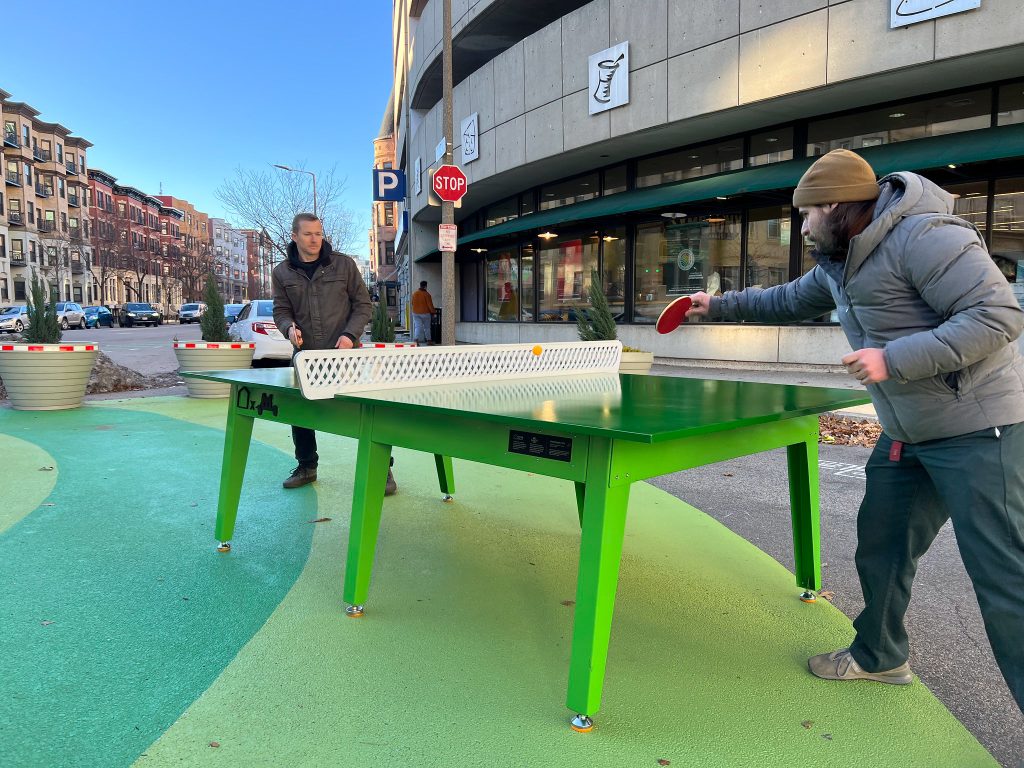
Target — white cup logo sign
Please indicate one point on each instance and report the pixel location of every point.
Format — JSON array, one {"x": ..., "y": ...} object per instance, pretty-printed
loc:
[
  {"x": 905, "y": 12},
  {"x": 609, "y": 78}
]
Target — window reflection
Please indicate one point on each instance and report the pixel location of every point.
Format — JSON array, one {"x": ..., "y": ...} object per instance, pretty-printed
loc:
[
  {"x": 768, "y": 235},
  {"x": 1008, "y": 232},
  {"x": 1011, "y": 104},
  {"x": 563, "y": 275},
  {"x": 690, "y": 163},
  {"x": 567, "y": 192},
  {"x": 613, "y": 272},
  {"x": 689, "y": 254},
  {"x": 503, "y": 285}
]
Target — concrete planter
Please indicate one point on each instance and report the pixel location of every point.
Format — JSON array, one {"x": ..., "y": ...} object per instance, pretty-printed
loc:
[
  {"x": 212, "y": 356},
  {"x": 46, "y": 377},
  {"x": 636, "y": 362}
]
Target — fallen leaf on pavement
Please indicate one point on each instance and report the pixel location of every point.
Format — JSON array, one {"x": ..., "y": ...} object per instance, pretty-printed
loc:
[
  {"x": 214, "y": 743},
  {"x": 663, "y": 761},
  {"x": 46, "y": 469},
  {"x": 568, "y": 602},
  {"x": 842, "y": 430},
  {"x": 807, "y": 723},
  {"x": 46, "y": 623},
  {"x": 827, "y": 594},
  {"x": 321, "y": 520}
]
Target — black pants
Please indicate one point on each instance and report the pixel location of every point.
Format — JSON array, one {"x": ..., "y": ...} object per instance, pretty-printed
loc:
[
  {"x": 305, "y": 447},
  {"x": 976, "y": 479}
]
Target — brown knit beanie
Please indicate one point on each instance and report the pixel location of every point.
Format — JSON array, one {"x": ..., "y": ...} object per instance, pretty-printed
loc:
[{"x": 841, "y": 176}]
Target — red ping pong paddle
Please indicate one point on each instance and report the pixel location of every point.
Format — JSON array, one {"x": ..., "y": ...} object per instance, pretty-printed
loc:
[{"x": 674, "y": 314}]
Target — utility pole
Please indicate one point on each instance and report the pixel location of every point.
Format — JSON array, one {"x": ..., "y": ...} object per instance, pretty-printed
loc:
[{"x": 447, "y": 209}]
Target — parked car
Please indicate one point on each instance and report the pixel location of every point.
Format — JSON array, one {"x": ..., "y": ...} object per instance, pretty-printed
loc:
[
  {"x": 138, "y": 313},
  {"x": 191, "y": 313},
  {"x": 70, "y": 314},
  {"x": 96, "y": 317},
  {"x": 255, "y": 324},
  {"x": 14, "y": 319},
  {"x": 231, "y": 312}
]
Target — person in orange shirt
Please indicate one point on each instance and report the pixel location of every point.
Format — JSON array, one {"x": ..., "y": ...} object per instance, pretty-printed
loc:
[{"x": 422, "y": 311}]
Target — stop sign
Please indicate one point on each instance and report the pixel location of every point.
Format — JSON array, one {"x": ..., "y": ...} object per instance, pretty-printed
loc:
[{"x": 450, "y": 183}]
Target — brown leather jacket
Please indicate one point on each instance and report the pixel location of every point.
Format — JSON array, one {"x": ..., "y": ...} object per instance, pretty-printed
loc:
[{"x": 333, "y": 303}]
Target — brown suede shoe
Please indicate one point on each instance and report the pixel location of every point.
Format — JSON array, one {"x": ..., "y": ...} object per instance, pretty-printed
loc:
[
  {"x": 390, "y": 487},
  {"x": 300, "y": 476},
  {"x": 840, "y": 665}
]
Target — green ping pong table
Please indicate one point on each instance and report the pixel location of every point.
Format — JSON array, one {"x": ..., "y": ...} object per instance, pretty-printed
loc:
[{"x": 603, "y": 432}]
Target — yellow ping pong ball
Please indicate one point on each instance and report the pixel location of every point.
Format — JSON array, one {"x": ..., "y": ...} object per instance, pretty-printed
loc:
[{"x": 537, "y": 349}]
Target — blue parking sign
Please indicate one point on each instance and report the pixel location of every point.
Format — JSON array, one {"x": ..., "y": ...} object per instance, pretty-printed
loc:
[{"x": 388, "y": 185}]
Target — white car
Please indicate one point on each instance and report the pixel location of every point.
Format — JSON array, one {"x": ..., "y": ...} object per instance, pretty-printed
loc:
[
  {"x": 70, "y": 315},
  {"x": 14, "y": 319},
  {"x": 255, "y": 323}
]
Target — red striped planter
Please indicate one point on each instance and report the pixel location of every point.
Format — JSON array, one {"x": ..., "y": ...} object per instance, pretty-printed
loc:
[
  {"x": 212, "y": 356},
  {"x": 387, "y": 345},
  {"x": 46, "y": 377}
]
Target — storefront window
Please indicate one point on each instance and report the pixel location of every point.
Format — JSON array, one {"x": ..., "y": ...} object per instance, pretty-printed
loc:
[
  {"x": 1008, "y": 233},
  {"x": 563, "y": 275},
  {"x": 690, "y": 163},
  {"x": 688, "y": 255},
  {"x": 1011, "y": 104},
  {"x": 503, "y": 286},
  {"x": 613, "y": 269},
  {"x": 526, "y": 204},
  {"x": 771, "y": 147},
  {"x": 567, "y": 192},
  {"x": 971, "y": 203},
  {"x": 615, "y": 180},
  {"x": 768, "y": 235},
  {"x": 903, "y": 122},
  {"x": 526, "y": 308},
  {"x": 501, "y": 212}
]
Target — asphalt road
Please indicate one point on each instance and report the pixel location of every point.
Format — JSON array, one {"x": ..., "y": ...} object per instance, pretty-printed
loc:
[{"x": 949, "y": 648}]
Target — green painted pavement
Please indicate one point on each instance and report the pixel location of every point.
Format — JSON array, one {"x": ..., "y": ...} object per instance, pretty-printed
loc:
[
  {"x": 36, "y": 473},
  {"x": 116, "y": 611},
  {"x": 462, "y": 657}
]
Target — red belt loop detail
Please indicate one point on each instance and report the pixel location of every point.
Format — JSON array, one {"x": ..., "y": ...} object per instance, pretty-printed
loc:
[{"x": 895, "y": 451}]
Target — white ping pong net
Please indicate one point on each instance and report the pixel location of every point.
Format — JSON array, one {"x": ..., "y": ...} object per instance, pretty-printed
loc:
[{"x": 322, "y": 374}]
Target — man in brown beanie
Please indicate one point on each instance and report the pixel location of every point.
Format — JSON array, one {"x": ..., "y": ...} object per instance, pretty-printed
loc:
[{"x": 933, "y": 327}]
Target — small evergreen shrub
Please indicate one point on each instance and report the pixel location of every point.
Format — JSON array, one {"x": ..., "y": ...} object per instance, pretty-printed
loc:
[
  {"x": 596, "y": 323},
  {"x": 43, "y": 327},
  {"x": 382, "y": 327},
  {"x": 212, "y": 322}
]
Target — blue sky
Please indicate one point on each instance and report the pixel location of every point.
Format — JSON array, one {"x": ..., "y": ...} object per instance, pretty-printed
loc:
[{"x": 180, "y": 94}]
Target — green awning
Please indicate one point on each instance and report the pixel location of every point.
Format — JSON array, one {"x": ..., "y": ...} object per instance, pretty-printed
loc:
[{"x": 959, "y": 148}]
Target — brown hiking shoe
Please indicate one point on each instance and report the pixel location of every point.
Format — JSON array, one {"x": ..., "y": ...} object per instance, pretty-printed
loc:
[
  {"x": 300, "y": 476},
  {"x": 840, "y": 665},
  {"x": 390, "y": 487}
]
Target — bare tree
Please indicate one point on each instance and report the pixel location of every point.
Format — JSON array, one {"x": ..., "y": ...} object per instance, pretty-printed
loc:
[
  {"x": 268, "y": 200},
  {"x": 105, "y": 248},
  {"x": 193, "y": 265}
]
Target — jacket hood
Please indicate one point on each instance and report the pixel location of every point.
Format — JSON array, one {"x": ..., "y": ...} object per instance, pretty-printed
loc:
[
  {"x": 293, "y": 254},
  {"x": 902, "y": 194}
]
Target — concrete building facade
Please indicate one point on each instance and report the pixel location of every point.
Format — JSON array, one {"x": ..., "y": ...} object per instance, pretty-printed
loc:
[
  {"x": 679, "y": 178},
  {"x": 230, "y": 261}
]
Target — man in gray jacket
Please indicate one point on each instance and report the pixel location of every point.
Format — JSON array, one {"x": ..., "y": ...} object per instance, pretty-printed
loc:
[
  {"x": 320, "y": 302},
  {"x": 933, "y": 325}
]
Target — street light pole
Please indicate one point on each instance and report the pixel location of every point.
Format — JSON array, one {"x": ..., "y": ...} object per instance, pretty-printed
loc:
[{"x": 299, "y": 170}]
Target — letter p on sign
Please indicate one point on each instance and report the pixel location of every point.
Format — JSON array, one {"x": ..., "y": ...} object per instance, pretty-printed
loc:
[{"x": 388, "y": 185}]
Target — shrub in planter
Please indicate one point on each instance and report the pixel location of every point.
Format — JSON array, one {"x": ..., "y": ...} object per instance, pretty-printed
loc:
[
  {"x": 43, "y": 326},
  {"x": 382, "y": 327},
  {"x": 595, "y": 323},
  {"x": 212, "y": 322}
]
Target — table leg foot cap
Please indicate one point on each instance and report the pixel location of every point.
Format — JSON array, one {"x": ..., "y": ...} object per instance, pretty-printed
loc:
[
  {"x": 808, "y": 597},
  {"x": 581, "y": 724},
  {"x": 447, "y": 498},
  {"x": 224, "y": 546},
  {"x": 354, "y": 611}
]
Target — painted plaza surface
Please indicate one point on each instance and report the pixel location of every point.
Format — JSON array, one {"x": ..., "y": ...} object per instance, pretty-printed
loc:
[{"x": 127, "y": 639}]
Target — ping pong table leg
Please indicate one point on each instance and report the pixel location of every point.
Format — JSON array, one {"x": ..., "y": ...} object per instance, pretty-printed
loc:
[
  {"x": 581, "y": 495},
  {"x": 372, "y": 461},
  {"x": 445, "y": 476},
  {"x": 237, "y": 434},
  {"x": 604, "y": 523},
  {"x": 802, "y": 461}
]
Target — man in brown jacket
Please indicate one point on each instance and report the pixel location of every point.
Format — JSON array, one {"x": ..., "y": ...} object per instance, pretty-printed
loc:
[
  {"x": 320, "y": 302},
  {"x": 422, "y": 310}
]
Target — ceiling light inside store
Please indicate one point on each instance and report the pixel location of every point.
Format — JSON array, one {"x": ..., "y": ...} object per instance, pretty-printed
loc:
[
  {"x": 721, "y": 197},
  {"x": 676, "y": 215},
  {"x": 714, "y": 219},
  {"x": 609, "y": 238},
  {"x": 951, "y": 165},
  {"x": 478, "y": 250},
  {"x": 547, "y": 235},
  {"x": 898, "y": 114},
  {"x": 771, "y": 139}
]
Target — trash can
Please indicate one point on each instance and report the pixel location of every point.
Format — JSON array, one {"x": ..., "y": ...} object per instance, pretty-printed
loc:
[{"x": 435, "y": 327}]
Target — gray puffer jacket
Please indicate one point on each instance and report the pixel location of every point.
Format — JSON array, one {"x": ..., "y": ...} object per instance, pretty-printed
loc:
[{"x": 918, "y": 283}]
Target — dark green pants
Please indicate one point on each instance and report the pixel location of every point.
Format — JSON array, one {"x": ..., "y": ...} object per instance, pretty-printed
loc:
[{"x": 976, "y": 479}]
